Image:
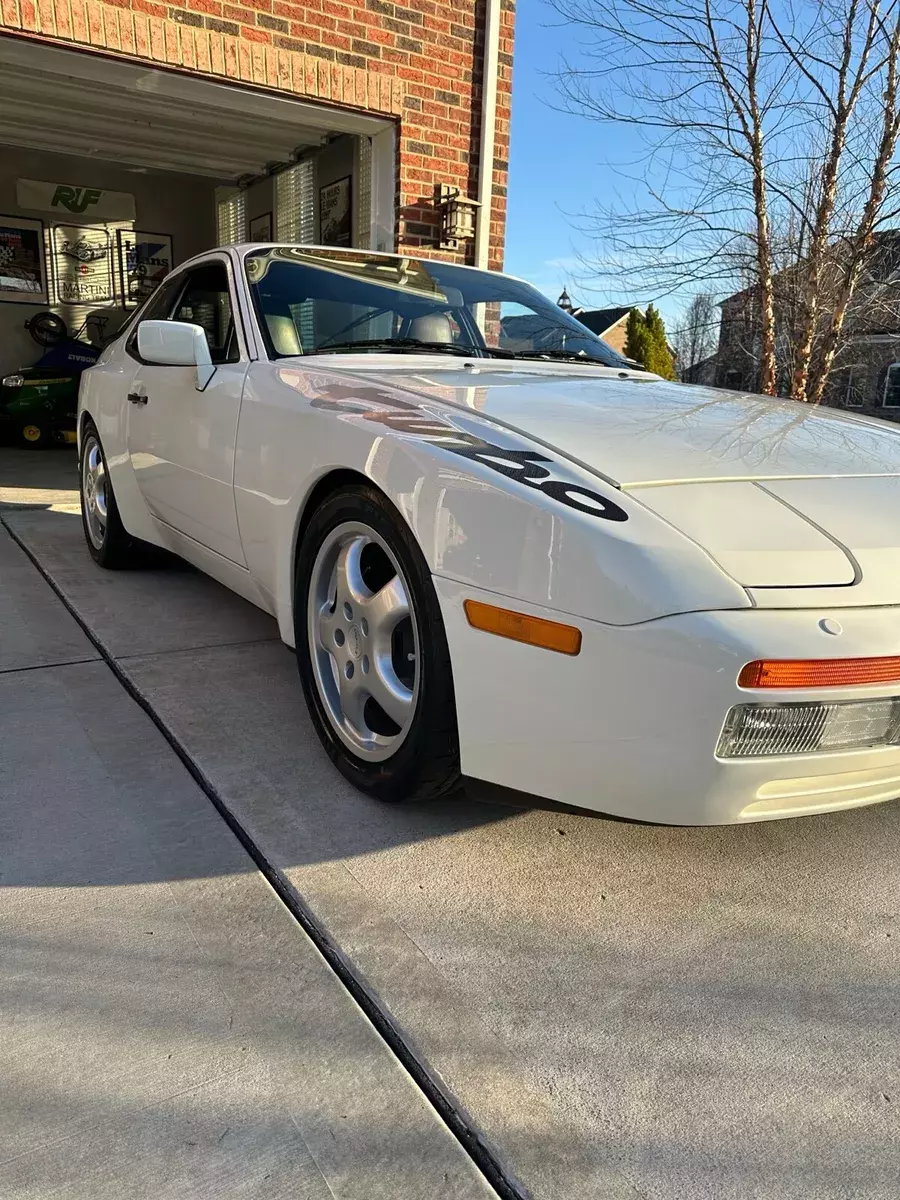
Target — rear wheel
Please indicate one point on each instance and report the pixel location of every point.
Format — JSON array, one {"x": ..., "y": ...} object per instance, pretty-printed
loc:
[
  {"x": 107, "y": 540},
  {"x": 372, "y": 651}
]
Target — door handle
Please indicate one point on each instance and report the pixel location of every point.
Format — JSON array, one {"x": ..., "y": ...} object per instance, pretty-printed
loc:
[{"x": 137, "y": 398}]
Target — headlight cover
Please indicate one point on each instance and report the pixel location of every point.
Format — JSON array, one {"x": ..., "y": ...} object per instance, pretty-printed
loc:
[
  {"x": 809, "y": 727},
  {"x": 13, "y": 381}
]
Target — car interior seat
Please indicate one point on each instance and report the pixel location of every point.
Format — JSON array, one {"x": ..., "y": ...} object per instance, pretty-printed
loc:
[
  {"x": 283, "y": 331},
  {"x": 432, "y": 327}
]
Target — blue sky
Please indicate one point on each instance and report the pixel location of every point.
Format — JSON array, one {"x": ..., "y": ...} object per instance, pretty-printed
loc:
[{"x": 559, "y": 165}]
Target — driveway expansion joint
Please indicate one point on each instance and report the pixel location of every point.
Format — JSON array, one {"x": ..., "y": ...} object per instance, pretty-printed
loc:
[{"x": 447, "y": 1107}]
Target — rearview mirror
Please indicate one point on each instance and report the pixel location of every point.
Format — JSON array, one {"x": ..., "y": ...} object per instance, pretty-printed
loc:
[{"x": 176, "y": 344}]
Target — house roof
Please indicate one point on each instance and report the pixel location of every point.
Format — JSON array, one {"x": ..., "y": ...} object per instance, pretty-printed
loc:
[{"x": 599, "y": 320}]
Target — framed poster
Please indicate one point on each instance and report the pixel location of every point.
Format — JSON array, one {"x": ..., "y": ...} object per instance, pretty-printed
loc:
[
  {"x": 145, "y": 259},
  {"x": 82, "y": 264},
  {"x": 335, "y": 213},
  {"x": 261, "y": 228},
  {"x": 23, "y": 267}
]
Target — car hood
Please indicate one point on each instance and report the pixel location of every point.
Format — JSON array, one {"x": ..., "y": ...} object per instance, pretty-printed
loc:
[
  {"x": 636, "y": 429},
  {"x": 784, "y": 496}
]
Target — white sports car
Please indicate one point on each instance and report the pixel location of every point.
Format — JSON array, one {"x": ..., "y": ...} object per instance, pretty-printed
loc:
[{"x": 501, "y": 552}]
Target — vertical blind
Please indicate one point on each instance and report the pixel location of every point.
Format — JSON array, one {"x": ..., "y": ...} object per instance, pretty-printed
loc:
[
  {"x": 295, "y": 211},
  {"x": 363, "y": 189},
  {"x": 231, "y": 217}
]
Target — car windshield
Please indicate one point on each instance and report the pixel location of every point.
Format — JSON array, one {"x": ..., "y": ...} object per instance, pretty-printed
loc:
[{"x": 315, "y": 301}]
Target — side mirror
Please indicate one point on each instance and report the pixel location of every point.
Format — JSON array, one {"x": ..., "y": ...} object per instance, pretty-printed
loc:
[{"x": 176, "y": 344}]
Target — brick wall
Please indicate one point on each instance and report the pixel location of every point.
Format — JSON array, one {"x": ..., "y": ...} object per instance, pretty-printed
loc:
[{"x": 418, "y": 61}]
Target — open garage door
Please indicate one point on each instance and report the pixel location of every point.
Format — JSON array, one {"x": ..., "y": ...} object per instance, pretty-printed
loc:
[{"x": 111, "y": 173}]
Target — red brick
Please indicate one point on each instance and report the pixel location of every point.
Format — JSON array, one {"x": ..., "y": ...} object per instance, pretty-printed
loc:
[
  {"x": 173, "y": 42},
  {"x": 230, "y": 53},
  {"x": 258, "y": 60},
  {"x": 126, "y": 32},
  {"x": 216, "y": 53},
  {"x": 245, "y": 62},
  {"x": 201, "y": 45}
]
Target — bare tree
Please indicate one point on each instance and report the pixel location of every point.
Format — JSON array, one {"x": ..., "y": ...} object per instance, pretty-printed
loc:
[
  {"x": 766, "y": 142},
  {"x": 696, "y": 335}
]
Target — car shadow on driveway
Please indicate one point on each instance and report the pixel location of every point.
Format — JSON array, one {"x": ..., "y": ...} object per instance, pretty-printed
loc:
[{"x": 624, "y": 1009}]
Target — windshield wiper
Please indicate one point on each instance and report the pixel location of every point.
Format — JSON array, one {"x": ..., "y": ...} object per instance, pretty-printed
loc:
[
  {"x": 400, "y": 343},
  {"x": 562, "y": 355}
]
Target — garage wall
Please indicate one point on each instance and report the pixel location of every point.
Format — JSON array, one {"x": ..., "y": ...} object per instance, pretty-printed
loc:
[
  {"x": 337, "y": 160},
  {"x": 182, "y": 206}
]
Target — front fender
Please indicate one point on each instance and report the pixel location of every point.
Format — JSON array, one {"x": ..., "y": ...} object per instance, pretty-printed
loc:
[{"x": 488, "y": 506}]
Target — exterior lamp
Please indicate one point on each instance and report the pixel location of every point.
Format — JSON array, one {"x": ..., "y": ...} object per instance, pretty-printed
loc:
[{"x": 457, "y": 216}]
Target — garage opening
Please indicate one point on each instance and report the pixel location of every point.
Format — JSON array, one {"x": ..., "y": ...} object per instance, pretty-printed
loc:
[{"x": 112, "y": 173}]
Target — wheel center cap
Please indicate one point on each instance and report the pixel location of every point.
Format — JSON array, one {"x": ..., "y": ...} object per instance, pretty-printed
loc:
[{"x": 354, "y": 642}]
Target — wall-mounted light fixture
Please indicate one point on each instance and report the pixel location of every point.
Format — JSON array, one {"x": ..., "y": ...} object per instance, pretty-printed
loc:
[{"x": 457, "y": 216}]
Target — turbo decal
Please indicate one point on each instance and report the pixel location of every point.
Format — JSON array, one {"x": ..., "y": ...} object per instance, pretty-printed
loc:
[{"x": 531, "y": 468}]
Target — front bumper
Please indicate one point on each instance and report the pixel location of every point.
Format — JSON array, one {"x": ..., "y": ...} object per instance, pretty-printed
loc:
[{"x": 630, "y": 726}]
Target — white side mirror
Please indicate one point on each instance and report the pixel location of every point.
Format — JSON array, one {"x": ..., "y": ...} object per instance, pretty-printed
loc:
[{"x": 176, "y": 344}]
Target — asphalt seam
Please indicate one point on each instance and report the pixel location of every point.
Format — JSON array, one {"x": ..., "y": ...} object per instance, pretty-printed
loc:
[{"x": 448, "y": 1108}]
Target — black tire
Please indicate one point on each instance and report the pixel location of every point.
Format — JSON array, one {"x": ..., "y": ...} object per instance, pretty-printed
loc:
[
  {"x": 426, "y": 764},
  {"x": 119, "y": 550},
  {"x": 34, "y": 436}
]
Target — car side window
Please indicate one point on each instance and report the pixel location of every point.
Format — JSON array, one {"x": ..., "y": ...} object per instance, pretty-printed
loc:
[
  {"x": 157, "y": 308},
  {"x": 206, "y": 301}
]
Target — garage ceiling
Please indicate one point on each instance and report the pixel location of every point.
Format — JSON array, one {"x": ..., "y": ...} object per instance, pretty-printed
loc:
[{"x": 72, "y": 102}]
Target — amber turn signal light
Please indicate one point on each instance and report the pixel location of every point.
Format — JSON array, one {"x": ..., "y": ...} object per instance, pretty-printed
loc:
[
  {"x": 819, "y": 673},
  {"x": 535, "y": 631}
]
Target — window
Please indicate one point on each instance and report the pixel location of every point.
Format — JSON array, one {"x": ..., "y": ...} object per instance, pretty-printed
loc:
[
  {"x": 891, "y": 398},
  {"x": 852, "y": 385},
  {"x": 295, "y": 212},
  {"x": 206, "y": 301},
  {"x": 231, "y": 217},
  {"x": 315, "y": 300},
  {"x": 159, "y": 306}
]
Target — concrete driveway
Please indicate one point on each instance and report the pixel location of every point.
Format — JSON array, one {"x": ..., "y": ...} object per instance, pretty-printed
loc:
[{"x": 622, "y": 1010}]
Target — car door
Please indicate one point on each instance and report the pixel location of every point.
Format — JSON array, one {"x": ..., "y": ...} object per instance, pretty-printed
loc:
[{"x": 181, "y": 440}]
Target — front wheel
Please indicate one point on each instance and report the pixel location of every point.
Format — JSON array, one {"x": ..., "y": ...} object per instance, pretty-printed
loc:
[{"x": 372, "y": 651}]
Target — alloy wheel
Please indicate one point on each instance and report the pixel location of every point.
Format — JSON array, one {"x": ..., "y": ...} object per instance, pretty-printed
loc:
[
  {"x": 93, "y": 492},
  {"x": 363, "y": 641}
]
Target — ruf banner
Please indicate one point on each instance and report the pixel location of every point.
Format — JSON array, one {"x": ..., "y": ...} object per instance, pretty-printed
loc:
[{"x": 74, "y": 200}]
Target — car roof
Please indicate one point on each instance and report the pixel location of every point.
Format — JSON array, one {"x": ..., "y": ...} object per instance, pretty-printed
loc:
[{"x": 244, "y": 247}]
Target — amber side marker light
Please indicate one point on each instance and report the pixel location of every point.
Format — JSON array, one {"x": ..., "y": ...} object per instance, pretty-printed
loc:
[
  {"x": 535, "y": 631},
  {"x": 819, "y": 673}
]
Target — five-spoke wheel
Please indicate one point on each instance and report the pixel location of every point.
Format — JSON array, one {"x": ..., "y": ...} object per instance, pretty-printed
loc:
[
  {"x": 93, "y": 492},
  {"x": 107, "y": 539},
  {"x": 381, "y": 696},
  {"x": 363, "y": 640}
]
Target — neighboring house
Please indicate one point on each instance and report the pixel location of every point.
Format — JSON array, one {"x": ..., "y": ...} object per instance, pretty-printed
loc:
[
  {"x": 866, "y": 376},
  {"x": 607, "y": 323},
  {"x": 703, "y": 372}
]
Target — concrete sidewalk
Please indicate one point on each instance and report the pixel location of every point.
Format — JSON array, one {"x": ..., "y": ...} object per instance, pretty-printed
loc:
[{"x": 167, "y": 1030}]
